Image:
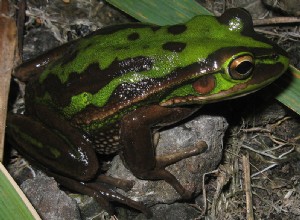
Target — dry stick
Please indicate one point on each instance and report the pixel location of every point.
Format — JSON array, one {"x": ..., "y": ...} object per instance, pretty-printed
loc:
[
  {"x": 7, "y": 56},
  {"x": 276, "y": 20},
  {"x": 248, "y": 190},
  {"x": 204, "y": 209}
]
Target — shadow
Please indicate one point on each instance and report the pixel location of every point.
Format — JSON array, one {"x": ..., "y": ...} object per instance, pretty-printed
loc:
[{"x": 282, "y": 83}]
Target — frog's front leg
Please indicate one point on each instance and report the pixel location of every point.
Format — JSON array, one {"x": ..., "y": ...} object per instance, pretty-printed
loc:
[{"x": 139, "y": 150}]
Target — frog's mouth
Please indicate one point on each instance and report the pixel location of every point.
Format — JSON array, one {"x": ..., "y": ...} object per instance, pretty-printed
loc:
[
  {"x": 262, "y": 76},
  {"x": 204, "y": 99}
]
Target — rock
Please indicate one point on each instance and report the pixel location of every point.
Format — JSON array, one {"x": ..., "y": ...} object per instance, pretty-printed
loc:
[
  {"x": 189, "y": 171},
  {"x": 90, "y": 208},
  {"x": 176, "y": 211},
  {"x": 50, "y": 202},
  {"x": 38, "y": 41}
]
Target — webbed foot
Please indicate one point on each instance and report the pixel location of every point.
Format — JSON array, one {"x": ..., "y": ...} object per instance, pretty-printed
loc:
[{"x": 102, "y": 193}]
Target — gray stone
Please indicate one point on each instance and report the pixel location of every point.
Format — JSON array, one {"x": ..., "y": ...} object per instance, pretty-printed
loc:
[
  {"x": 176, "y": 211},
  {"x": 189, "y": 171},
  {"x": 50, "y": 202}
]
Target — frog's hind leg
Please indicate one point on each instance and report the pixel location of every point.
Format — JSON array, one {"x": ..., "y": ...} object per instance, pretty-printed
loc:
[
  {"x": 51, "y": 150},
  {"x": 67, "y": 156}
]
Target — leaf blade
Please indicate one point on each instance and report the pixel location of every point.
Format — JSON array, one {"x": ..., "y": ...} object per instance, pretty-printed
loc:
[
  {"x": 161, "y": 12},
  {"x": 13, "y": 203}
]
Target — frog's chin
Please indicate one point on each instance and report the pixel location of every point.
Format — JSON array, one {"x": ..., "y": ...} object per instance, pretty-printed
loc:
[{"x": 189, "y": 100}]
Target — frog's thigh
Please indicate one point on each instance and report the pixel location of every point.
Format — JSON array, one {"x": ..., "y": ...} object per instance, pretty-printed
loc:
[
  {"x": 137, "y": 138},
  {"x": 52, "y": 150}
]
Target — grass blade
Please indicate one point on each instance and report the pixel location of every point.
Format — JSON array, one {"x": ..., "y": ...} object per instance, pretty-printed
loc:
[{"x": 13, "y": 203}]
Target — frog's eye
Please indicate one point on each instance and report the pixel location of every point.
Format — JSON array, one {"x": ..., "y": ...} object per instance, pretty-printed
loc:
[{"x": 241, "y": 67}]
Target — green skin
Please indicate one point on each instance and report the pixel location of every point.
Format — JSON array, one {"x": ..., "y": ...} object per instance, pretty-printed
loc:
[{"x": 104, "y": 93}]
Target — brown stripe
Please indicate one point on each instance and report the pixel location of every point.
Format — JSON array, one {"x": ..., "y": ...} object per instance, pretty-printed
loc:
[{"x": 92, "y": 79}]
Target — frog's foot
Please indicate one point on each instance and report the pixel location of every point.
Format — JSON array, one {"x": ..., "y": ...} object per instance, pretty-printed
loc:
[
  {"x": 160, "y": 173},
  {"x": 102, "y": 193},
  {"x": 166, "y": 160}
]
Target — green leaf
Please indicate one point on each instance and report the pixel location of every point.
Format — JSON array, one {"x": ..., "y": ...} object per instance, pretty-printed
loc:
[
  {"x": 288, "y": 87},
  {"x": 12, "y": 206},
  {"x": 160, "y": 12},
  {"x": 178, "y": 11}
]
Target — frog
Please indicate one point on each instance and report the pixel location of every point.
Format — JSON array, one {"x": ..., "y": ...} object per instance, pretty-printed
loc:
[{"x": 111, "y": 91}]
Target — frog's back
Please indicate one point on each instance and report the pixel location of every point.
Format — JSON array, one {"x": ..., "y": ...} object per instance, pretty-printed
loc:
[{"x": 111, "y": 69}]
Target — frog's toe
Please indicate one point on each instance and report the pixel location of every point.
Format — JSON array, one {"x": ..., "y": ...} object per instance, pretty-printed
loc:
[
  {"x": 102, "y": 193},
  {"x": 166, "y": 160},
  {"x": 113, "y": 196},
  {"x": 123, "y": 184}
]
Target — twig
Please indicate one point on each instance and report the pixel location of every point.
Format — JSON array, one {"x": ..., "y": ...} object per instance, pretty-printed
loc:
[
  {"x": 275, "y": 148},
  {"x": 277, "y": 140},
  {"x": 256, "y": 129},
  {"x": 276, "y": 20},
  {"x": 248, "y": 190},
  {"x": 281, "y": 156},
  {"x": 204, "y": 209},
  {"x": 260, "y": 152},
  {"x": 263, "y": 170},
  {"x": 7, "y": 58}
]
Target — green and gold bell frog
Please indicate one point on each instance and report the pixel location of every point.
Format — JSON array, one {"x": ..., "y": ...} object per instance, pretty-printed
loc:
[{"x": 106, "y": 92}]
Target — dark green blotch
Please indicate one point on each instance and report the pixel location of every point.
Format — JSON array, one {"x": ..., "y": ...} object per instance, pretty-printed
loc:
[
  {"x": 155, "y": 28},
  {"x": 174, "y": 46},
  {"x": 133, "y": 36},
  {"x": 177, "y": 29}
]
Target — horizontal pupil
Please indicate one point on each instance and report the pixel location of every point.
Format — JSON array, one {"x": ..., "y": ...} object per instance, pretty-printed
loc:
[{"x": 244, "y": 67}]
